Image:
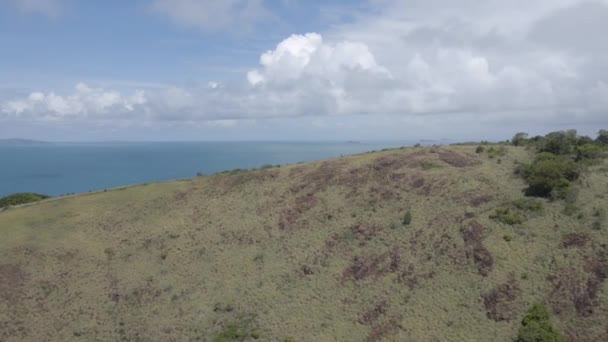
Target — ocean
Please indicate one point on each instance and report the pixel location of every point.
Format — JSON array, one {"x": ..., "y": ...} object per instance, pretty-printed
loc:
[{"x": 60, "y": 168}]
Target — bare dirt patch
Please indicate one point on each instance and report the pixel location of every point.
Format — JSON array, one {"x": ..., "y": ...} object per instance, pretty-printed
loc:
[
  {"x": 500, "y": 301},
  {"x": 383, "y": 330},
  {"x": 290, "y": 216},
  {"x": 578, "y": 289},
  {"x": 373, "y": 266},
  {"x": 479, "y": 199},
  {"x": 574, "y": 240},
  {"x": 482, "y": 258},
  {"x": 12, "y": 281},
  {"x": 456, "y": 159},
  {"x": 370, "y": 316}
]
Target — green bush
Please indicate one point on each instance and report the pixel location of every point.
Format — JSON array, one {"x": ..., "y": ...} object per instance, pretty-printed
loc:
[
  {"x": 507, "y": 216},
  {"x": 559, "y": 143},
  {"x": 479, "y": 149},
  {"x": 519, "y": 139},
  {"x": 21, "y": 198},
  {"x": 528, "y": 204},
  {"x": 407, "y": 218},
  {"x": 589, "y": 151},
  {"x": 549, "y": 175},
  {"x": 536, "y": 327},
  {"x": 570, "y": 209},
  {"x": 602, "y": 137}
]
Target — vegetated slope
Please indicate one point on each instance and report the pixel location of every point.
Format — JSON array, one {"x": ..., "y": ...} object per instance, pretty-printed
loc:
[
  {"x": 21, "y": 198},
  {"x": 310, "y": 252}
]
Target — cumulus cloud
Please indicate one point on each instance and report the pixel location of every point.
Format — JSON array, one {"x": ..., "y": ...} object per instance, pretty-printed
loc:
[
  {"x": 83, "y": 102},
  {"x": 214, "y": 15},
  {"x": 494, "y": 60}
]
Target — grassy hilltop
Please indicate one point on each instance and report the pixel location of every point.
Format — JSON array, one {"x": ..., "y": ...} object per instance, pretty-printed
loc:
[{"x": 412, "y": 244}]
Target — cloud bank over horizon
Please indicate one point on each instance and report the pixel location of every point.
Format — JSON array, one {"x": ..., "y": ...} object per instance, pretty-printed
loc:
[{"x": 496, "y": 62}]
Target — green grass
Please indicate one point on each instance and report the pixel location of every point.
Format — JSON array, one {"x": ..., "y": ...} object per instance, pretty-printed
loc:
[{"x": 310, "y": 252}]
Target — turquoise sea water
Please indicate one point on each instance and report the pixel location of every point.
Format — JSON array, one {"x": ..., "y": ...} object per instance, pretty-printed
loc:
[{"x": 61, "y": 168}]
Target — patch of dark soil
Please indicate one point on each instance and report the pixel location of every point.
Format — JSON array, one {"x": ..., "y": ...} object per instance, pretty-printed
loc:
[
  {"x": 12, "y": 281},
  {"x": 307, "y": 270},
  {"x": 479, "y": 199},
  {"x": 574, "y": 240},
  {"x": 365, "y": 232},
  {"x": 383, "y": 330},
  {"x": 395, "y": 256},
  {"x": 572, "y": 288},
  {"x": 474, "y": 248},
  {"x": 417, "y": 181},
  {"x": 393, "y": 162},
  {"x": 411, "y": 278},
  {"x": 456, "y": 159},
  {"x": 290, "y": 215},
  {"x": 363, "y": 267},
  {"x": 322, "y": 177},
  {"x": 473, "y": 234},
  {"x": 355, "y": 178},
  {"x": 370, "y": 316},
  {"x": 231, "y": 181},
  {"x": 500, "y": 301}
]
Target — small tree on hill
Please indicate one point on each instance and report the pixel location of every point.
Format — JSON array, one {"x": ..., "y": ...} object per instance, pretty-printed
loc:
[
  {"x": 536, "y": 327},
  {"x": 519, "y": 139},
  {"x": 560, "y": 143},
  {"x": 602, "y": 137}
]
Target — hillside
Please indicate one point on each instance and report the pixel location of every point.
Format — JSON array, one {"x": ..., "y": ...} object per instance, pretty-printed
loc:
[{"x": 316, "y": 251}]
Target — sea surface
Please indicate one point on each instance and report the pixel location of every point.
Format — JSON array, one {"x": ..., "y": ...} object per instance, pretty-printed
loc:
[{"x": 61, "y": 168}]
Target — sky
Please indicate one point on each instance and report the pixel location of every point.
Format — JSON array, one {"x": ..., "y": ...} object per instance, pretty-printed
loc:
[{"x": 165, "y": 70}]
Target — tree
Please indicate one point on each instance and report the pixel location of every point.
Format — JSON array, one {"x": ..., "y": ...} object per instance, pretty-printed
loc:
[
  {"x": 536, "y": 327},
  {"x": 560, "y": 143},
  {"x": 549, "y": 175},
  {"x": 519, "y": 139},
  {"x": 602, "y": 137}
]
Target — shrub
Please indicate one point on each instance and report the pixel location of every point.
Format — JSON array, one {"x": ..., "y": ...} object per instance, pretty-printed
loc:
[
  {"x": 559, "y": 143},
  {"x": 528, "y": 204},
  {"x": 497, "y": 152},
  {"x": 479, "y": 149},
  {"x": 570, "y": 209},
  {"x": 519, "y": 139},
  {"x": 536, "y": 327},
  {"x": 596, "y": 225},
  {"x": 549, "y": 175},
  {"x": 407, "y": 218},
  {"x": 588, "y": 151},
  {"x": 21, "y": 198},
  {"x": 602, "y": 137},
  {"x": 507, "y": 216}
]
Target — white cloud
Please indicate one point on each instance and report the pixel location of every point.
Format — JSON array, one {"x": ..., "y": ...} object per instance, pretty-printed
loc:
[
  {"x": 83, "y": 102},
  {"x": 307, "y": 56},
  {"x": 492, "y": 62},
  {"x": 214, "y": 15}
]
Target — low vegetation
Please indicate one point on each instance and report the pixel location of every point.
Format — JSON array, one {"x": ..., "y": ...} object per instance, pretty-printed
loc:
[
  {"x": 537, "y": 327},
  {"x": 21, "y": 198},
  {"x": 429, "y": 243},
  {"x": 559, "y": 159}
]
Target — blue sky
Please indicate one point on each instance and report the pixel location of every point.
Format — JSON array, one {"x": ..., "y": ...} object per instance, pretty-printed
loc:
[{"x": 295, "y": 69}]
